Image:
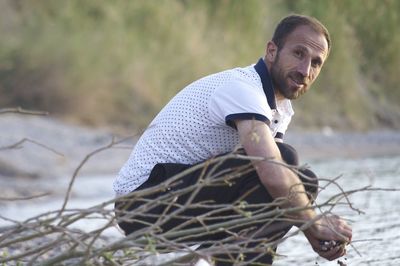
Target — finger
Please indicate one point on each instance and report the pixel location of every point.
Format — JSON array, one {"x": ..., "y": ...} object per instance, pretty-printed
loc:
[
  {"x": 345, "y": 234},
  {"x": 348, "y": 233},
  {"x": 329, "y": 254},
  {"x": 343, "y": 252},
  {"x": 344, "y": 224},
  {"x": 334, "y": 253}
]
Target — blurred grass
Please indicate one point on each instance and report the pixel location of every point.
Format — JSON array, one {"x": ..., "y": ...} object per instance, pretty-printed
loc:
[{"x": 117, "y": 63}]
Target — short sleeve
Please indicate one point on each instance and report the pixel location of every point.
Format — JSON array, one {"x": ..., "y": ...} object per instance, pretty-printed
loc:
[
  {"x": 283, "y": 127},
  {"x": 239, "y": 100}
]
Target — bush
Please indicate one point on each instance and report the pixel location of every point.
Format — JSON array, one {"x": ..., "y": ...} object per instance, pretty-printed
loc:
[{"x": 119, "y": 62}]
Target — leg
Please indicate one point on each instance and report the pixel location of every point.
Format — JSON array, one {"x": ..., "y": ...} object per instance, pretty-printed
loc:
[
  {"x": 225, "y": 193},
  {"x": 229, "y": 189},
  {"x": 310, "y": 182},
  {"x": 128, "y": 220}
]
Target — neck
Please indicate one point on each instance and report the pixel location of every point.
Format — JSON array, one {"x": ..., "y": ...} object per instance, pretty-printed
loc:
[{"x": 278, "y": 95}]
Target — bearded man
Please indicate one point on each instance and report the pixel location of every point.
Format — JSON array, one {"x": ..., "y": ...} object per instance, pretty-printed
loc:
[{"x": 248, "y": 107}]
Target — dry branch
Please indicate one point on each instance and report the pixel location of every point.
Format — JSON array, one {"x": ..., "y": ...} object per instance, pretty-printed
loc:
[
  {"x": 62, "y": 244},
  {"x": 82, "y": 163},
  {"x": 19, "y": 110},
  {"x": 18, "y": 145},
  {"x": 25, "y": 198}
]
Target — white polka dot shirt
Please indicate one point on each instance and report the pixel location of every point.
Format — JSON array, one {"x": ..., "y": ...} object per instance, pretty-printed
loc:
[{"x": 197, "y": 123}]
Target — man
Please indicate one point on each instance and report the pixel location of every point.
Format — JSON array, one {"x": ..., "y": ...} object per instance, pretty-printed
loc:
[{"x": 250, "y": 107}]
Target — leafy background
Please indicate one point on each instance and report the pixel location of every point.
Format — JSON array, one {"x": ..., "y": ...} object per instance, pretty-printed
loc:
[{"x": 116, "y": 63}]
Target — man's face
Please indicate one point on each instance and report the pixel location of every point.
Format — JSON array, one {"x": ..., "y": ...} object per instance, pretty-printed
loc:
[{"x": 297, "y": 64}]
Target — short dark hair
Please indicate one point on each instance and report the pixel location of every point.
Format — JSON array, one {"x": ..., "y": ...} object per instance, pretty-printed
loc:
[{"x": 290, "y": 23}]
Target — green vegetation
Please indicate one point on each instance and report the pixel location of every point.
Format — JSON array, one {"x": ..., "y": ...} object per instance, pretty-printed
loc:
[{"x": 118, "y": 62}]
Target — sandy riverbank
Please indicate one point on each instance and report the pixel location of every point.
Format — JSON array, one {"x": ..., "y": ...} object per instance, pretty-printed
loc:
[
  {"x": 53, "y": 148},
  {"x": 329, "y": 144}
]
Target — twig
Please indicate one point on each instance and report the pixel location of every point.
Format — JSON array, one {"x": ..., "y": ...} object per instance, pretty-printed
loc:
[
  {"x": 20, "y": 110},
  {"x": 82, "y": 245},
  {"x": 81, "y": 164},
  {"x": 18, "y": 144},
  {"x": 25, "y": 198}
]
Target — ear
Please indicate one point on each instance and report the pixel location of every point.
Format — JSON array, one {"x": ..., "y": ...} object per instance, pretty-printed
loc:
[{"x": 271, "y": 51}]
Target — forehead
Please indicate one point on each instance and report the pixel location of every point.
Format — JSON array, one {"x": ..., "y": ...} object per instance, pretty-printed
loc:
[{"x": 306, "y": 37}]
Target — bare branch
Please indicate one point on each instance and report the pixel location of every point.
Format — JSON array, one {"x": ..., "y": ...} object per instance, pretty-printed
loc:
[
  {"x": 19, "y": 143},
  {"x": 61, "y": 243},
  {"x": 20, "y": 110},
  {"x": 82, "y": 163},
  {"x": 25, "y": 198}
]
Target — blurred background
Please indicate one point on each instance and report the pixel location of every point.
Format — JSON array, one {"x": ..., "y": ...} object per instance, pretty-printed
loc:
[
  {"x": 97, "y": 65},
  {"x": 116, "y": 63}
]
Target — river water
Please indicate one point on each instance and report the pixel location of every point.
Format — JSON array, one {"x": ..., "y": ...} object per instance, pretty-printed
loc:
[{"x": 376, "y": 232}]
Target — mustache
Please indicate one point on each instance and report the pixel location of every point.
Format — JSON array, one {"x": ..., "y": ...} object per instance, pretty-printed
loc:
[{"x": 299, "y": 78}]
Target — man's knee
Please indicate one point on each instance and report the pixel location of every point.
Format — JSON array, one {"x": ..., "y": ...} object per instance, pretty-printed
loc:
[
  {"x": 310, "y": 182},
  {"x": 308, "y": 177},
  {"x": 288, "y": 153}
]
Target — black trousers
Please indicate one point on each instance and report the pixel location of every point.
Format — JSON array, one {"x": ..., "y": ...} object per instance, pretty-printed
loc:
[{"x": 236, "y": 179}]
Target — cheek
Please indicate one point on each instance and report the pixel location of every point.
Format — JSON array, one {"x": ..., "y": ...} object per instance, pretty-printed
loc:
[
  {"x": 314, "y": 74},
  {"x": 312, "y": 78}
]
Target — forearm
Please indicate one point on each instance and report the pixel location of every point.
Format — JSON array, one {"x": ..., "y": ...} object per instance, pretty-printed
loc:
[
  {"x": 282, "y": 182},
  {"x": 278, "y": 179}
]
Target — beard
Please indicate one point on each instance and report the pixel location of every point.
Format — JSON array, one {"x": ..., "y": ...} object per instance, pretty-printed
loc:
[{"x": 281, "y": 81}]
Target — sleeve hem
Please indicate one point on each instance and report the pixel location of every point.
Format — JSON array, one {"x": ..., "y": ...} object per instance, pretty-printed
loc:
[
  {"x": 279, "y": 135},
  {"x": 230, "y": 119}
]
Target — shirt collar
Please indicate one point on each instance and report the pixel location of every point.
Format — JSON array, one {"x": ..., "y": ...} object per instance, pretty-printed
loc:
[{"x": 266, "y": 81}]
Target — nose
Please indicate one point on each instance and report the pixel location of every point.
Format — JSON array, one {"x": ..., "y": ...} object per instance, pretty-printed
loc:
[{"x": 305, "y": 67}]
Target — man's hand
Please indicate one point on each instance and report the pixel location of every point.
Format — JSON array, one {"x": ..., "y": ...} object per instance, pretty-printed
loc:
[{"x": 329, "y": 237}]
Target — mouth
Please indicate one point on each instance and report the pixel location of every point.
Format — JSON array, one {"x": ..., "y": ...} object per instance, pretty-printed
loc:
[{"x": 297, "y": 83}]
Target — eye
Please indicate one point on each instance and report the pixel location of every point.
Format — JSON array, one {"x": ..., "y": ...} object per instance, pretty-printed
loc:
[
  {"x": 316, "y": 63},
  {"x": 298, "y": 53}
]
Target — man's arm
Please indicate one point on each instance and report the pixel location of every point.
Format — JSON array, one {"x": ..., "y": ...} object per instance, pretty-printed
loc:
[{"x": 280, "y": 181}]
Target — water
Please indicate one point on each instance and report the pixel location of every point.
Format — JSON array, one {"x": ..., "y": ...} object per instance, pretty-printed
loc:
[
  {"x": 376, "y": 233},
  {"x": 87, "y": 191}
]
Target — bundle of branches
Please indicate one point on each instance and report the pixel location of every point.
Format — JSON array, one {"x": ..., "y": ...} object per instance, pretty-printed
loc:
[
  {"x": 56, "y": 241},
  {"x": 52, "y": 238}
]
